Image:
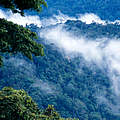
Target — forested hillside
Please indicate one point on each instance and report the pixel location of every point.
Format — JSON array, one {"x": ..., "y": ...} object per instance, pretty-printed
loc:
[
  {"x": 106, "y": 9},
  {"x": 64, "y": 61},
  {"x": 71, "y": 85},
  {"x": 17, "y": 105}
]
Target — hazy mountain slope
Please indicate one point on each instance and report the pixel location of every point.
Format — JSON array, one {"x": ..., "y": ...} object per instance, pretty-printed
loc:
[
  {"x": 78, "y": 87},
  {"x": 106, "y": 9},
  {"x": 80, "y": 72}
]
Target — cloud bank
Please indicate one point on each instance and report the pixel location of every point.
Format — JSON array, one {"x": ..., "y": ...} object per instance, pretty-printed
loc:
[
  {"x": 88, "y": 18},
  {"x": 98, "y": 51},
  {"x": 18, "y": 19}
]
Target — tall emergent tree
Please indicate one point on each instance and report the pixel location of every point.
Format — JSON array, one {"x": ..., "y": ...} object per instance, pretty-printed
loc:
[{"x": 15, "y": 38}]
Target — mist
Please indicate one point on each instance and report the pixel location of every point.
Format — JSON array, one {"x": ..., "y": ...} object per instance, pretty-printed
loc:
[
  {"x": 20, "y": 20},
  {"x": 87, "y": 18},
  {"x": 104, "y": 52},
  {"x": 93, "y": 50}
]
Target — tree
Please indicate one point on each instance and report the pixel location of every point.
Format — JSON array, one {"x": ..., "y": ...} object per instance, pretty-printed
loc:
[
  {"x": 20, "y": 6},
  {"x": 15, "y": 38},
  {"x": 17, "y": 105}
]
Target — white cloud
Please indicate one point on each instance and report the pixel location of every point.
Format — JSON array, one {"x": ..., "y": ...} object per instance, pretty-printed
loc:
[
  {"x": 89, "y": 18},
  {"x": 91, "y": 50},
  {"x": 17, "y": 18},
  {"x": 71, "y": 44},
  {"x": 44, "y": 86}
]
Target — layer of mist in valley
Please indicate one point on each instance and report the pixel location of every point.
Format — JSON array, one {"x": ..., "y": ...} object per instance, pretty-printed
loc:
[{"x": 101, "y": 52}]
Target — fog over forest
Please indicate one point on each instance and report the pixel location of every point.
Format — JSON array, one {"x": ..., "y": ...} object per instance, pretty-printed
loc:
[{"x": 80, "y": 72}]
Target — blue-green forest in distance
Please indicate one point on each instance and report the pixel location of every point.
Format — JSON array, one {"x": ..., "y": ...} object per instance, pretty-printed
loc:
[
  {"x": 80, "y": 72},
  {"x": 105, "y": 9}
]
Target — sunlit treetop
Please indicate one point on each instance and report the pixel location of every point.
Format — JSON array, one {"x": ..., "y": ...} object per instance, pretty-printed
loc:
[{"x": 20, "y": 5}]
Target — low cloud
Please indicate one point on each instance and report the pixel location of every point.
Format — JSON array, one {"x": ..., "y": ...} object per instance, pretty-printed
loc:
[
  {"x": 88, "y": 18},
  {"x": 97, "y": 50},
  {"x": 45, "y": 86},
  {"x": 20, "y": 20},
  {"x": 21, "y": 68}
]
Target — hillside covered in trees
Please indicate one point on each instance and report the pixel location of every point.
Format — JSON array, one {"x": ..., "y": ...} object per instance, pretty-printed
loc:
[
  {"x": 78, "y": 72},
  {"x": 17, "y": 105},
  {"x": 73, "y": 86}
]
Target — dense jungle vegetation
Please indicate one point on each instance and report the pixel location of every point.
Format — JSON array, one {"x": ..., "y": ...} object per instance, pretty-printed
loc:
[
  {"x": 17, "y": 105},
  {"x": 54, "y": 78},
  {"x": 106, "y": 9}
]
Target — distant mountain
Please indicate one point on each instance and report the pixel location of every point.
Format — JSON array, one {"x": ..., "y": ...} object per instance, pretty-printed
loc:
[{"x": 106, "y": 9}]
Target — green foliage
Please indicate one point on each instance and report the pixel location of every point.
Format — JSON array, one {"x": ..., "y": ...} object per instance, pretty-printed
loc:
[
  {"x": 71, "y": 85},
  {"x": 15, "y": 38},
  {"x": 17, "y": 105},
  {"x": 51, "y": 113},
  {"x": 19, "y": 6}
]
